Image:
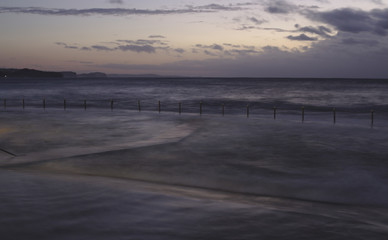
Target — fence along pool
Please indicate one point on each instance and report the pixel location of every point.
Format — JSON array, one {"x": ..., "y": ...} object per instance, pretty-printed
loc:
[{"x": 201, "y": 107}]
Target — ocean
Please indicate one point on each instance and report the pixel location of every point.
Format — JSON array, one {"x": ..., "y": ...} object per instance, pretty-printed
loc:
[{"x": 193, "y": 158}]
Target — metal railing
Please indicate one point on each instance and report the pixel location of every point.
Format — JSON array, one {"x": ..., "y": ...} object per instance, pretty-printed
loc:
[{"x": 187, "y": 106}]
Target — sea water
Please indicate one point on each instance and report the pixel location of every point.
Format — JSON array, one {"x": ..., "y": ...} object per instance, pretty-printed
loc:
[{"x": 114, "y": 172}]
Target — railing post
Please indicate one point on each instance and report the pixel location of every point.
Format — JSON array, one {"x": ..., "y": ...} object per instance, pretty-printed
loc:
[
  {"x": 85, "y": 104},
  {"x": 64, "y": 104},
  {"x": 334, "y": 115},
  {"x": 23, "y": 103},
  {"x": 302, "y": 114},
  {"x": 223, "y": 109},
  {"x": 372, "y": 117},
  {"x": 5, "y": 103},
  {"x": 44, "y": 103},
  {"x": 138, "y": 106}
]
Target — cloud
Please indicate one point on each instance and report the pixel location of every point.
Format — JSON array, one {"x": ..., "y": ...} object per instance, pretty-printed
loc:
[
  {"x": 142, "y": 45},
  {"x": 137, "y": 48},
  {"x": 213, "y": 50},
  {"x": 94, "y": 11},
  {"x": 66, "y": 46},
  {"x": 244, "y": 27},
  {"x": 344, "y": 55},
  {"x": 225, "y": 50},
  {"x": 321, "y": 30},
  {"x": 243, "y": 52},
  {"x": 232, "y": 45},
  {"x": 280, "y": 7},
  {"x": 179, "y": 50},
  {"x": 281, "y": 30},
  {"x": 352, "y": 41},
  {"x": 256, "y": 21},
  {"x": 378, "y": 2},
  {"x": 302, "y": 37},
  {"x": 210, "y": 8},
  {"x": 354, "y": 20},
  {"x": 156, "y": 36},
  {"x": 82, "y": 62},
  {"x": 143, "y": 42},
  {"x": 327, "y": 60},
  {"x": 116, "y": 1},
  {"x": 213, "y": 47},
  {"x": 219, "y": 7},
  {"x": 209, "y": 53},
  {"x": 102, "y": 48},
  {"x": 217, "y": 47}
]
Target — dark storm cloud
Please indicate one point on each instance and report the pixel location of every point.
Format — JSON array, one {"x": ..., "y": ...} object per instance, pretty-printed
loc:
[
  {"x": 354, "y": 20},
  {"x": 344, "y": 20},
  {"x": 353, "y": 41}
]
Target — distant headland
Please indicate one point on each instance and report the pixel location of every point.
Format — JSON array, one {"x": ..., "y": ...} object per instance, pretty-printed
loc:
[{"x": 33, "y": 73}]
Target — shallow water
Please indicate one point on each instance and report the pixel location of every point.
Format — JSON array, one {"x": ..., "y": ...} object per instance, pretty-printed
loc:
[
  {"x": 124, "y": 174},
  {"x": 77, "y": 207}
]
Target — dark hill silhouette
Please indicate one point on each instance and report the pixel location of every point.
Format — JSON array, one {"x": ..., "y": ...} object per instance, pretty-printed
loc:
[
  {"x": 29, "y": 73},
  {"x": 35, "y": 73}
]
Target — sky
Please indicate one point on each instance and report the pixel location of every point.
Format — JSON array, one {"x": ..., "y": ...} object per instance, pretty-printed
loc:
[{"x": 208, "y": 38}]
